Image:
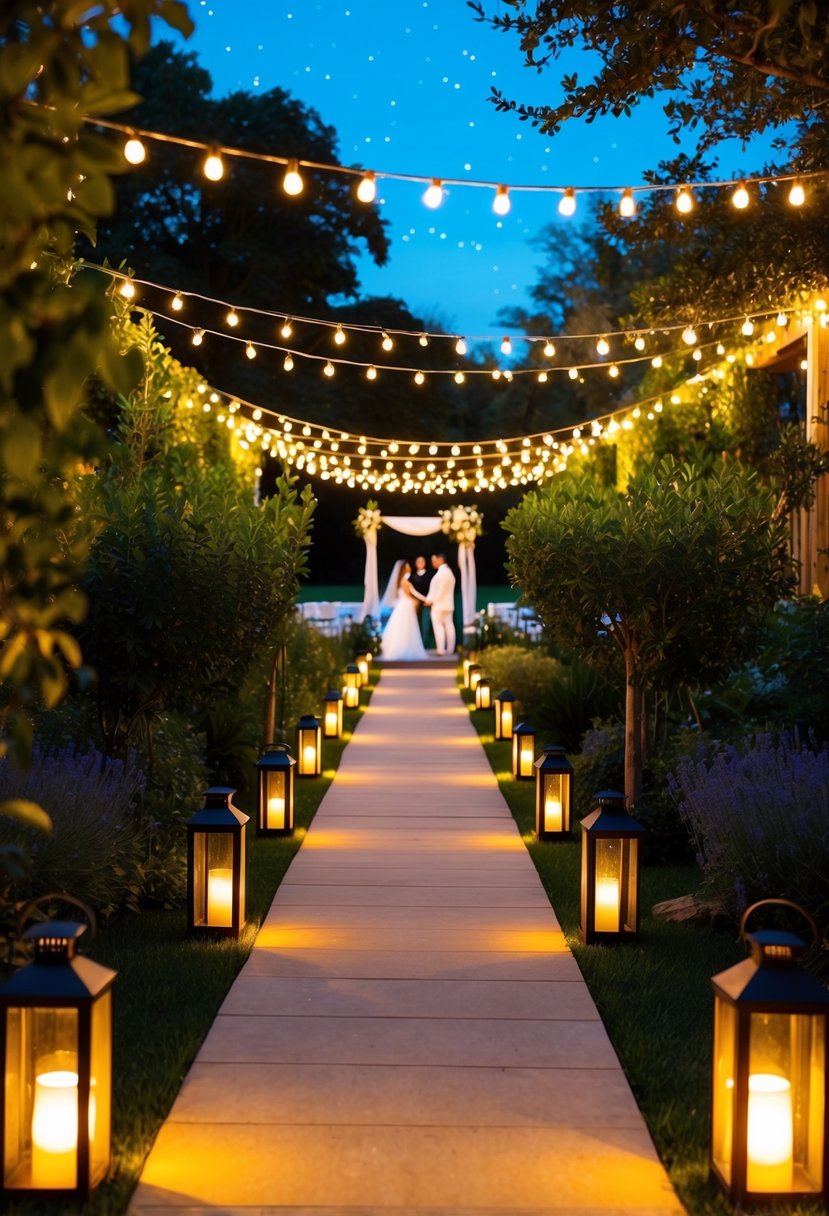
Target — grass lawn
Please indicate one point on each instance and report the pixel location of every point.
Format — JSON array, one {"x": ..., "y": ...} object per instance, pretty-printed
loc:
[
  {"x": 654, "y": 995},
  {"x": 169, "y": 990}
]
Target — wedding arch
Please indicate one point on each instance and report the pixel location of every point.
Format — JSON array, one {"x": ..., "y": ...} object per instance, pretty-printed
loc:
[{"x": 461, "y": 525}]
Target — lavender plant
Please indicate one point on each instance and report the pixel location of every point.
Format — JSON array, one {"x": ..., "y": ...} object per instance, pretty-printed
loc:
[
  {"x": 97, "y": 846},
  {"x": 758, "y": 812}
]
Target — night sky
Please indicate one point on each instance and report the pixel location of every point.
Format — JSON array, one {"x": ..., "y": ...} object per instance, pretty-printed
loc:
[{"x": 406, "y": 85}]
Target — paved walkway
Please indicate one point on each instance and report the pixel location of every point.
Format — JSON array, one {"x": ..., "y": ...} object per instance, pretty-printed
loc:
[{"x": 411, "y": 1033}]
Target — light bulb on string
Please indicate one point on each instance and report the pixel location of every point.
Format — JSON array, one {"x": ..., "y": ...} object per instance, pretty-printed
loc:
[
  {"x": 613, "y": 371},
  {"x": 292, "y": 182},
  {"x": 627, "y": 204},
  {"x": 501, "y": 202},
  {"x": 656, "y": 361},
  {"x": 740, "y": 198},
  {"x": 328, "y": 370},
  {"x": 720, "y": 348},
  {"x": 419, "y": 378},
  {"x": 250, "y": 350},
  {"x": 232, "y": 318},
  {"x": 747, "y": 327},
  {"x": 781, "y": 320},
  {"x": 602, "y": 347},
  {"x": 288, "y": 363},
  {"x": 549, "y": 349},
  {"x": 339, "y": 336},
  {"x": 460, "y": 346},
  {"x": 697, "y": 354},
  {"x": 567, "y": 205},
  {"x": 459, "y": 377},
  {"x": 371, "y": 373},
  {"x": 506, "y": 345},
  {"x": 127, "y": 289},
  {"x": 496, "y": 373},
  {"x": 177, "y": 303},
  {"x": 639, "y": 342},
  {"x": 197, "y": 337},
  {"x": 134, "y": 151},
  {"x": 573, "y": 373},
  {"x": 542, "y": 377},
  {"x": 286, "y": 329},
  {"x": 684, "y": 200},
  {"x": 367, "y": 189},
  {"x": 387, "y": 343},
  {"x": 689, "y": 335},
  {"x": 797, "y": 195},
  {"x": 433, "y": 194},
  {"x": 213, "y": 167},
  {"x": 423, "y": 340}
]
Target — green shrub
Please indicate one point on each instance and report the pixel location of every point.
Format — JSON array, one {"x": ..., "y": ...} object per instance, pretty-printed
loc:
[
  {"x": 575, "y": 697},
  {"x": 314, "y": 664},
  {"x": 600, "y": 765},
  {"x": 525, "y": 672}
]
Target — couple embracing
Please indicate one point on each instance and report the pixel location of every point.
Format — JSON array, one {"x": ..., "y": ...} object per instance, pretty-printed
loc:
[{"x": 402, "y": 637}]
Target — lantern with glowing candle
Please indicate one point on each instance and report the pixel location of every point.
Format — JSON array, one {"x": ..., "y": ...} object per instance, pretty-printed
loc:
[
  {"x": 56, "y": 1048},
  {"x": 474, "y": 672},
  {"x": 275, "y": 807},
  {"x": 523, "y": 752},
  {"x": 469, "y": 661},
  {"x": 504, "y": 705},
  {"x": 768, "y": 1126},
  {"x": 351, "y": 686},
  {"x": 216, "y": 866},
  {"x": 553, "y": 792},
  {"x": 332, "y": 714},
  {"x": 610, "y": 871},
  {"x": 483, "y": 693},
  {"x": 363, "y": 661},
  {"x": 309, "y": 746}
]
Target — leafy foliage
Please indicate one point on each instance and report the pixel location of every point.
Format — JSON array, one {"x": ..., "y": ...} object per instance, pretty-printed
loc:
[{"x": 526, "y": 673}]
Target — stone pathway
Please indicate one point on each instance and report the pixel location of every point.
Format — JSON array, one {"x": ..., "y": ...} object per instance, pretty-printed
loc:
[{"x": 411, "y": 1033}]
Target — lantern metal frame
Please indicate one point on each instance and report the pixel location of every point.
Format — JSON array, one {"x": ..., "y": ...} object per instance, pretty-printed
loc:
[
  {"x": 550, "y": 767},
  {"x": 220, "y": 821},
  {"x": 504, "y": 725},
  {"x": 57, "y": 980},
  {"x": 608, "y": 825},
  {"x": 332, "y": 705},
  {"x": 363, "y": 664},
  {"x": 769, "y": 1002},
  {"x": 474, "y": 674},
  {"x": 351, "y": 686},
  {"x": 309, "y": 727},
  {"x": 523, "y": 769},
  {"x": 277, "y": 762},
  {"x": 483, "y": 693}
]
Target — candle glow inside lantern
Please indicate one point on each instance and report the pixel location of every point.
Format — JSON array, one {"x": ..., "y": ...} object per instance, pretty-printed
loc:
[
  {"x": 483, "y": 693},
  {"x": 504, "y": 705},
  {"x": 475, "y": 674},
  {"x": 553, "y": 794},
  {"x": 332, "y": 714},
  {"x": 56, "y": 1050},
  {"x": 275, "y": 807},
  {"x": 610, "y": 871},
  {"x": 351, "y": 686},
  {"x": 523, "y": 752},
  {"x": 216, "y": 866},
  {"x": 469, "y": 661},
  {"x": 309, "y": 746},
  {"x": 363, "y": 662},
  {"x": 768, "y": 1126}
]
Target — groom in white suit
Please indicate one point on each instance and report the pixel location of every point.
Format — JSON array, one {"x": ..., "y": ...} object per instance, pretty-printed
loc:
[{"x": 442, "y": 602}]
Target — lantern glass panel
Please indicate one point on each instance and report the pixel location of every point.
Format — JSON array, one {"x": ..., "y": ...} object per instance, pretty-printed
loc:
[
  {"x": 608, "y": 895},
  {"x": 275, "y": 799},
  {"x": 725, "y": 1092},
  {"x": 784, "y": 1135},
  {"x": 41, "y": 1099},
  {"x": 100, "y": 1093},
  {"x": 556, "y": 802},
  {"x": 526, "y": 755},
  {"x": 213, "y": 880},
  {"x": 505, "y": 731},
  {"x": 308, "y": 761},
  {"x": 333, "y": 719}
]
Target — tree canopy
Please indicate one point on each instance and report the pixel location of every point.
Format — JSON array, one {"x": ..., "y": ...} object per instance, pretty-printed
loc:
[{"x": 730, "y": 71}]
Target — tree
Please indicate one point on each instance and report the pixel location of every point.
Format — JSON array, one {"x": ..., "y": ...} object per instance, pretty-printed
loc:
[
  {"x": 729, "y": 70},
  {"x": 58, "y": 62},
  {"x": 679, "y": 572}
]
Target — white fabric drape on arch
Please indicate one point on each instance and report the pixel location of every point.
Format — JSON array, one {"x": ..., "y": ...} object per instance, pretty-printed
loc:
[{"x": 417, "y": 525}]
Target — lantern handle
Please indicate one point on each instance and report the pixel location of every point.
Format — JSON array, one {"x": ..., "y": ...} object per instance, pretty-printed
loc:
[
  {"x": 275, "y": 747},
  {"x": 782, "y": 903},
  {"x": 29, "y": 907}
]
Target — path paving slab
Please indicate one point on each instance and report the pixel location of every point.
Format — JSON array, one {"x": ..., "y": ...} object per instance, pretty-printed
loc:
[{"x": 411, "y": 1035}]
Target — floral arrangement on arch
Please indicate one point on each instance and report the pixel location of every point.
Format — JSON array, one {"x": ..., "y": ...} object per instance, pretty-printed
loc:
[
  {"x": 463, "y": 525},
  {"x": 368, "y": 521}
]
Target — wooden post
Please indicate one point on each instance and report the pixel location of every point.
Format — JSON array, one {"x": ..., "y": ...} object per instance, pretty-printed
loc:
[{"x": 814, "y": 522}]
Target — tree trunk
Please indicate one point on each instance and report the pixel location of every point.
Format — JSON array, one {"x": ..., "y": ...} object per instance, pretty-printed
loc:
[
  {"x": 276, "y": 686},
  {"x": 633, "y": 728}
]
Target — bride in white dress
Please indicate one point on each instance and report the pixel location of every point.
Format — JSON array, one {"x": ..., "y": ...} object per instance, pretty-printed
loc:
[{"x": 401, "y": 637}]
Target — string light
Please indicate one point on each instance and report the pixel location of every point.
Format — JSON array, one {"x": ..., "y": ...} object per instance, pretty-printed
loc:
[
  {"x": 177, "y": 303},
  {"x": 367, "y": 189},
  {"x": 339, "y": 336},
  {"x": 549, "y": 350},
  {"x": 501, "y": 203},
  {"x": 371, "y": 373},
  {"x": 656, "y": 361},
  {"x": 213, "y": 166},
  {"x": 292, "y": 182},
  {"x": 198, "y": 337},
  {"x": 684, "y": 201},
  {"x": 250, "y": 350},
  {"x": 689, "y": 335},
  {"x": 602, "y": 347},
  {"x": 423, "y": 340},
  {"x": 328, "y": 370},
  {"x": 740, "y": 198},
  {"x": 506, "y": 346},
  {"x": 781, "y": 320},
  {"x": 613, "y": 371},
  {"x": 567, "y": 205},
  {"x": 288, "y": 363},
  {"x": 134, "y": 151},
  {"x": 460, "y": 346},
  {"x": 419, "y": 378},
  {"x": 387, "y": 343},
  {"x": 639, "y": 342},
  {"x": 286, "y": 329},
  {"x": 573, "y": 373},
  {"x": 433, "y": 194},
  {"x": 232, "y": 318},
  {"x": 627, "y": 204},
  {"x": 127, "y": 289},
  {"x": 797, "y": 195},
  {"x": 459, "y": 377},
  {"x": 747, "y": 327}
]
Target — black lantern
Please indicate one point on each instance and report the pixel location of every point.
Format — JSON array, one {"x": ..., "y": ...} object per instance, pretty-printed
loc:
[
  {"x": 474, "y": 673},
  {"x": 309, "y": 746},
  {"x": 610, "y": 871},
  {"x": 770, "y": 1095},
  {"x": 483, "y": 693},
  {"x": 553, "y": 794},
  {"x": 469, "y": 661},
  {"x": 275, "y": 809},
  {"x": 363, "y": 662},
  {"x": 504, "y": 705},
  {"x": 56, "y": 1048},
  {"x": 523, "y": 752},
  {"x": 351, "y": 686},
  {"x": 216, "y": 866},
  {"x": 332, "y": 714}
]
